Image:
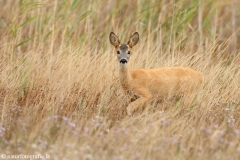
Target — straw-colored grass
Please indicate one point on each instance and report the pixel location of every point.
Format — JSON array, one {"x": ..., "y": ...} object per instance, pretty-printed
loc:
[{"x": 59, "y": 88}]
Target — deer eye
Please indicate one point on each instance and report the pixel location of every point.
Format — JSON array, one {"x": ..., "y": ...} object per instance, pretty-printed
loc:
[
  {"x": 118, "y": 52},
  {"x": 129, "y": 52}
]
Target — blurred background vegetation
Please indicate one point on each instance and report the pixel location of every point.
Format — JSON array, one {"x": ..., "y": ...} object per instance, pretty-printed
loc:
[{"x": 79, "y": 22}]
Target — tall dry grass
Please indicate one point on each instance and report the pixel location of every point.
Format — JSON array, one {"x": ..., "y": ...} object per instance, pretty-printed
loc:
[{"x": 59, "y": 88}]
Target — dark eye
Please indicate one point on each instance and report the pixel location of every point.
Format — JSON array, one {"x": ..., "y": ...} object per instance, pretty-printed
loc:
[
  {"x": 129, "y": 52},
  {"x": 118, "y": 52}
]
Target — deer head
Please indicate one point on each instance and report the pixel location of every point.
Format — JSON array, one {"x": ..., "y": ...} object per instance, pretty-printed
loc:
[{"x": 123, "y": 50}]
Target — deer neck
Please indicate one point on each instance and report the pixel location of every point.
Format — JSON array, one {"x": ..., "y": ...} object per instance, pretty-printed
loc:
[{"x": 125, "y": 77}]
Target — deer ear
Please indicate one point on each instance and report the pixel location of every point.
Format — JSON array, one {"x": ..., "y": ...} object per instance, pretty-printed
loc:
[
  {"x": 133, "y": 39},
  {"x": 114, "y": 40}
]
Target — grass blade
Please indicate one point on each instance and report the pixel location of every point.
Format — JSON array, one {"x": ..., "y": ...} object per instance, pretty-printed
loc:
[{"x": 26, "y": 40}]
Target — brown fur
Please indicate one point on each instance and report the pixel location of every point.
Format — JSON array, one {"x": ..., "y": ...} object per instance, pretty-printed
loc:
[{"x": 159, "y": 84}]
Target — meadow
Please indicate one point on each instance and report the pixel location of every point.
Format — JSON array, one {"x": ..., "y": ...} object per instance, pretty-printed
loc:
[{"x": 59, "y": 89}]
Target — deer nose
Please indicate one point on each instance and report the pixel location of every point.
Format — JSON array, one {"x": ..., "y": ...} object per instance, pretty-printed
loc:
[{"x": 123, "y": 61}]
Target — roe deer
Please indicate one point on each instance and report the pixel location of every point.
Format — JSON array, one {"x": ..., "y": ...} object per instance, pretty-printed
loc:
[{"x": 151, "y": 84}]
